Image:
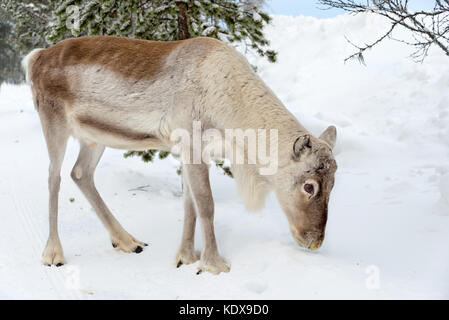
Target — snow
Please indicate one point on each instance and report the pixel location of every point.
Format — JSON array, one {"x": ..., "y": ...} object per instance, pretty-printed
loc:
[{"x": 387, "y": 234}]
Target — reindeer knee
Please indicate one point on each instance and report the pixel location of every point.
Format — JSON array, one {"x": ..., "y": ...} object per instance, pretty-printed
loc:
[{"x": 77, "y": 173}]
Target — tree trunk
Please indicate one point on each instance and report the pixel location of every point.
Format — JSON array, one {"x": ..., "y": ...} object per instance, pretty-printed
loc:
[{"x": 183, "y": 21}]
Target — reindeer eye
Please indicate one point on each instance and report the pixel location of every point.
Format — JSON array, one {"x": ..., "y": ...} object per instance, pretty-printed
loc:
[{"x": 308, "y": 188}]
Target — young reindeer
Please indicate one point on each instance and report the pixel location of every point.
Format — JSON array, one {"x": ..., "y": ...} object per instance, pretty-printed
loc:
[{"x": 132, "y": 94}]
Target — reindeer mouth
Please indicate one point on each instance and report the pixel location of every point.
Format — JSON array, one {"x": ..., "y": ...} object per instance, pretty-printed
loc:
[
  {"x": 308, "y": 240},
  {"x": 310, "y": 244}
]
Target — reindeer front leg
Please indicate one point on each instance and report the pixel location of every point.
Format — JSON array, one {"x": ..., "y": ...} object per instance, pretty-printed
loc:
[
  {"x": 197, "y": 181},
  {"x": 186, "y": 253}
]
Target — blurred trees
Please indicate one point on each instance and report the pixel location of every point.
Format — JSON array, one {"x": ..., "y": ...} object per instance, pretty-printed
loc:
[{"x": 9, "y": 59}]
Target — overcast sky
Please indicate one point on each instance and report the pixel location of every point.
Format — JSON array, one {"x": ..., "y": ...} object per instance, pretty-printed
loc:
[{"x": 311, "y": 8}]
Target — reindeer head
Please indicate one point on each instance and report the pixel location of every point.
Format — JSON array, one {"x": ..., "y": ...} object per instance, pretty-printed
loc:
[{"x": 303, "y": 186}]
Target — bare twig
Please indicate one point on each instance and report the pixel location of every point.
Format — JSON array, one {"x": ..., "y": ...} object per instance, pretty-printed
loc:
[{"x": 428, "y": 27}]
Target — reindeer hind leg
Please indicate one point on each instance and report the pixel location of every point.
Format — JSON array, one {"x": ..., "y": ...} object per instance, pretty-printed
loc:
[{"x": 56, "y": 135}]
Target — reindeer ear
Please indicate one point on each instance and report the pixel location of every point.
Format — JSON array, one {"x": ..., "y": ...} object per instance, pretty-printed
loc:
[
  {"x": 329, "y": 136},
  {"x": 301, "y": 144}
]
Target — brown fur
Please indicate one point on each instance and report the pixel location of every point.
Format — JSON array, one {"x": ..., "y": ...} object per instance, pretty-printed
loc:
[{"x": 131, "y": 58}]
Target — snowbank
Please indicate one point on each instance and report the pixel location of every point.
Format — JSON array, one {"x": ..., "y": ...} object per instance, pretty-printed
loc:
[{"x": 387, "y": 235}]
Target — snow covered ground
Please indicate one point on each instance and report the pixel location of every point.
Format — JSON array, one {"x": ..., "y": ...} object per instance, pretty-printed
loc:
[{"x": 388, "y": 228}]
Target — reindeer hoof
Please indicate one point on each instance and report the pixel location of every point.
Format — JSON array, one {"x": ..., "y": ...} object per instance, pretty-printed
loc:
[
  {"x": 127, "y": 243},
  {"x": 53, "y": 255},
  {"x": 215, "y": 265},
  {"x": 186, "y": 257},
  {"x": 138, "y": 249}
]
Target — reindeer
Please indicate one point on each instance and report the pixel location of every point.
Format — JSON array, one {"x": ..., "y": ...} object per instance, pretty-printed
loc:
[{"x": 131, "y": 94}]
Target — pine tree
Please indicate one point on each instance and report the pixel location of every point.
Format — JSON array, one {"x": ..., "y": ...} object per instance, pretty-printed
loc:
[
  {"x": 41, "y": 23},
  {"x": 29, "y": 21},
  {"x": 22, "y": 27},
  {"x": 165, "y": 20}
]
